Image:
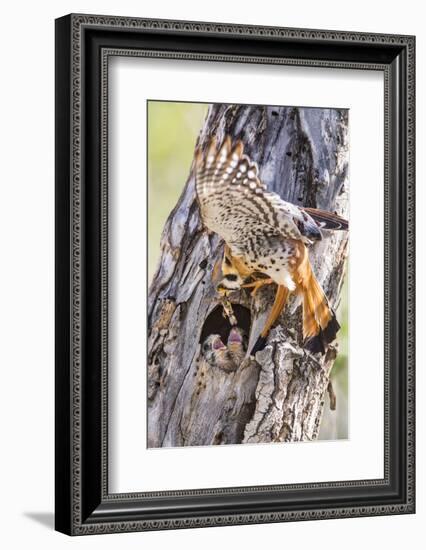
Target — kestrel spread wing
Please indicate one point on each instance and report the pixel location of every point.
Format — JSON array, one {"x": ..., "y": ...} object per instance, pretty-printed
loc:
[{"x": 232, "y": 199}]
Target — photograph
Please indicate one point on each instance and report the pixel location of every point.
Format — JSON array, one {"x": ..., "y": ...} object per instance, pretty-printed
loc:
[{"x": 248, "y": 264}]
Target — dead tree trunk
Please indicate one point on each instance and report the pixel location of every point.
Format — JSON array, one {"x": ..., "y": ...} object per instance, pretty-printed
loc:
[{"x": 302, "y": 155}]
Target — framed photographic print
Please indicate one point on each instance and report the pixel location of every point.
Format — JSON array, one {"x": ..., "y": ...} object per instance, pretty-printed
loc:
[{"x": 234, "y": 274}]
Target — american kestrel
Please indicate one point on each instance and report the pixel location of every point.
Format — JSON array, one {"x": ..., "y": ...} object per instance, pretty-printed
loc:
[{"x": 265, "y": 238}]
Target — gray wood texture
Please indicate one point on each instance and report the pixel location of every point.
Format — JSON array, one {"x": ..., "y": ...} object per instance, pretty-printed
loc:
[{"x": 279, "y": 396}]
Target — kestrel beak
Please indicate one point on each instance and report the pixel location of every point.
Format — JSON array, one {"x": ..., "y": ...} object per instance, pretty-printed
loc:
[
  {"x": 221, "y": 290},
  {"x": 218, "y": 344},
  {"x": 235, "y": 336}
]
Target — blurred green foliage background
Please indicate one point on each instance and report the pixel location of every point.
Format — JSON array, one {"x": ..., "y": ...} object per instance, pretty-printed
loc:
[
  {"x": 172, "y": 131},
  {"x": 173, "y": 128}
]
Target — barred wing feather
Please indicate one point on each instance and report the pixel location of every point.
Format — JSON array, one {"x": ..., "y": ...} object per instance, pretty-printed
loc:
[{"x": 234, "y": 202}]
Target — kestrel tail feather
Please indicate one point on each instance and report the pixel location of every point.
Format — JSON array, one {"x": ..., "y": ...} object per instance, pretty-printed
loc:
[
  {"x": 326, "y": 220},
  {"x": 319, "y": 322},
  {"x": 277, "y": 307},
  {"x": 316, "y": 313}
]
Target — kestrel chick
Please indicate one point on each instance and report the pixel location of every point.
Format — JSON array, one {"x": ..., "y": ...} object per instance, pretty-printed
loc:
[
  {"x": 237, "y": 345},
  {"x": 216, "y": 353}
]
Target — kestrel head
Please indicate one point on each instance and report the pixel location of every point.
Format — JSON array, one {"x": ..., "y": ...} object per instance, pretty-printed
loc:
[
  {"x": 213, "y": 349},
  {"x": 216, "y": 353},
  {"x": 231, "y": 279}
]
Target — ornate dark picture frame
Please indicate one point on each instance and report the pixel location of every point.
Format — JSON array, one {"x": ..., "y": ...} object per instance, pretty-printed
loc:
[{"x": 84, "y": 44}]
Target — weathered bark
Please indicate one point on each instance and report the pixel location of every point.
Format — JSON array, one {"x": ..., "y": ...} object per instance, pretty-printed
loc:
[{"x": 302, "y": 155}]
